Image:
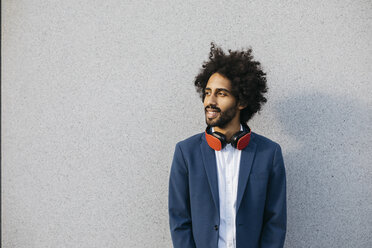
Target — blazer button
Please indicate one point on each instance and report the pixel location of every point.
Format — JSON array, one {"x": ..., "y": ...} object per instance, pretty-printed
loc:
[{"x": 216, "y": 227}]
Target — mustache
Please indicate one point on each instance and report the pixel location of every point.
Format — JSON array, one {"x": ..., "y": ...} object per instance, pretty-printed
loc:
[{"x": 212, "y": 107}]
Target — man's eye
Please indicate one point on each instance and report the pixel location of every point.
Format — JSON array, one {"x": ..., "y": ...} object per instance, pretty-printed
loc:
[
  {"x": 207, "y": 93},
  {"x": 221, "y": 94}
]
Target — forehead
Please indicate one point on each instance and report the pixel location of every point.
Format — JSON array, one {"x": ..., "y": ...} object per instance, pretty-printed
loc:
[{"x": 216, "y": 80}]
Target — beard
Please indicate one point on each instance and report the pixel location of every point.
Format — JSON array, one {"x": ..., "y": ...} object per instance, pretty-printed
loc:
[{"x": 223, "y": 119}]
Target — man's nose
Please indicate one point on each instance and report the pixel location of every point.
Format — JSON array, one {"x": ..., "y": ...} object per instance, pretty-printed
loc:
[{"x": 210, "y": 100}]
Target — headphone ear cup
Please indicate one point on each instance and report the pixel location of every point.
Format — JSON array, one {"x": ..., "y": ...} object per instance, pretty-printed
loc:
[
  {"x": 235, "y": 138},
  {"x": 221, "y": 137},
  {"x": 217, "y": 140}
]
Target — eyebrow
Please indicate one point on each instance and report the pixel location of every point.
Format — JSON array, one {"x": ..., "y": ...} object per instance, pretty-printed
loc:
[{"x": 219, "y": 89}]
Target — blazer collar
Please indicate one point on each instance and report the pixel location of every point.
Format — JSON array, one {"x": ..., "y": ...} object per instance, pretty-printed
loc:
[{"x": 210, "y": 165}]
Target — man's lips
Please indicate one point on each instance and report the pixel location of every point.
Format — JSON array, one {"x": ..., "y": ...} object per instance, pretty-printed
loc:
[{"x": 211, "y": 113}]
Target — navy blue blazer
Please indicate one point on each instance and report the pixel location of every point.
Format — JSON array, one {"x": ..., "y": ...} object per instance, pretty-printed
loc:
[{"x": 193, "y": 201}]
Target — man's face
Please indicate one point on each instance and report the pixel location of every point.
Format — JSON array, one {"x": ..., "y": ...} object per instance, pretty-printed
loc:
[{"x": 219, "y": 104}]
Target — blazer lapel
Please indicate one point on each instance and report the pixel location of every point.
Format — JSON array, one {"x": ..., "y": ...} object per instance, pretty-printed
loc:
[
  {"x": 246, "y": 161},
  {"x": 210, "y": 165}
]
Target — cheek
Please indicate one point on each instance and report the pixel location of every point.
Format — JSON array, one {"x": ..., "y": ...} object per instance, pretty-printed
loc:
[{"x": 227, "y": 104}]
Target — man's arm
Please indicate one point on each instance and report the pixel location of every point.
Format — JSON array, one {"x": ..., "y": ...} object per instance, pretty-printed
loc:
[
  {"x": 179, "y": 203},
  {"x": 275, "y": 214}
]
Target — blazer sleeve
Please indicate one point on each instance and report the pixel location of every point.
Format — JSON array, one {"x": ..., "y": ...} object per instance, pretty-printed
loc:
[
  {"x": 275, "y": 213},
  {"x": 179, "y": 203}
]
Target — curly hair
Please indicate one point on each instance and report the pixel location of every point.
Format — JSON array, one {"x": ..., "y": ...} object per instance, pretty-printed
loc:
[{"x": 248, "y": 81}]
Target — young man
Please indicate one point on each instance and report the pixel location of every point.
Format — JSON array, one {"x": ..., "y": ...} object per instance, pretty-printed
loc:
[{"x": 227, "y": 185}]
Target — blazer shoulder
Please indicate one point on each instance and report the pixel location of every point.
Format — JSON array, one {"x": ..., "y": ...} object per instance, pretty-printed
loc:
[
  {"x": 191, "y": 141},
  {"x": 264, "y": 141}
]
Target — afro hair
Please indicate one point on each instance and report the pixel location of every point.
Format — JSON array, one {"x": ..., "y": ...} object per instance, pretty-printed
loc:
[{"x": 248, "y": 81}]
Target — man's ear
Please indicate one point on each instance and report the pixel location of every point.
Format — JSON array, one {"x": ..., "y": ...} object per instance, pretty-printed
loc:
[{"x": 241, "y": 107}]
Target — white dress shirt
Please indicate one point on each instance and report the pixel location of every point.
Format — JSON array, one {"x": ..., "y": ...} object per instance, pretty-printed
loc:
[{"x": 228, "y": 163}]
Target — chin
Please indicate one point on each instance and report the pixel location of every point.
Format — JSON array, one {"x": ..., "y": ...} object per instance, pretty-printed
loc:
[{"x": 211, "y": 123}]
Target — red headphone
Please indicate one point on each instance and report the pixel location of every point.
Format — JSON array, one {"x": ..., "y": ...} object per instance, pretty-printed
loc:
[{"x": 217, "y": 141}]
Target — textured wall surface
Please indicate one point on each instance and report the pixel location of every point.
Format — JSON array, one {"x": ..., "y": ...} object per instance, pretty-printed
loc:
[{"x": 95, "y": 95}]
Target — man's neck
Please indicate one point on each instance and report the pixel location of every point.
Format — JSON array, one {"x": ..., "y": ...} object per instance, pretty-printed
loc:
[{"x": 229, "y": 130}]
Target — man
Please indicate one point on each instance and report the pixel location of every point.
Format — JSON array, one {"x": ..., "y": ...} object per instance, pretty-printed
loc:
[{"x": 227, "y": 185}]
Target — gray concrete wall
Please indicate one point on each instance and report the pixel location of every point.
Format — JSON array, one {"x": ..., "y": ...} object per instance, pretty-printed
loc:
[{"x": 95, "y": 95}]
